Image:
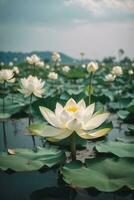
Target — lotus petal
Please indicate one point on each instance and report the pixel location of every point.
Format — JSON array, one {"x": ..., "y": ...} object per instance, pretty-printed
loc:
[
  {"x": 49, "y": 116},
  {"x": 93, "y": 134},
  {"x": 96, "y": 121}
]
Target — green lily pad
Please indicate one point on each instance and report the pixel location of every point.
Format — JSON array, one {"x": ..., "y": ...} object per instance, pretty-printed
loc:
[
  {"x": 130, "y": 107},
  {"x": 4, "y": 116},
  {"x": 119, "y": 149},
  {"x": 27, "y": 160},
  {"x": 123, "y": 114},
  {"x": 12, "y": 107},
  {"x": 104, "y": 174}
]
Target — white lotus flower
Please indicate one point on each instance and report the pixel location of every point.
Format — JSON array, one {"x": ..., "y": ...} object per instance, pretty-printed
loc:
[
  {"x": 7, "y": 75},
  {"x": 83, "y": 66},
  {"x": 10, "y": 64},
  {"x": 32, "y": 85},
  {"x": 92, "y": 67},
  {"x": 52, "y": 75},
  {"x": 47, "y": 67},
  {"x": 56, "y": 57},
  {"x": 16, "y": 70},
  {"x": 40, "y": 64},
  {"x": 66, "y": 69},
  {"x": 73, "y": 117},
  {"x": 33, "y": 59},
  {"x": 117, "y": 71},
  {"x": 130, "y": 72},
  {"x": 110, "y": 77},
  {"x": 2, "y": 64}
]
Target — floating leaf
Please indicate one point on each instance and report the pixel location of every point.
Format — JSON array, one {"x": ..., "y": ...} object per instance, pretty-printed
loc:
[
  {"x": 130, "y": 107},
  {"x": 27, "y": 160},
  {"x": 123, "y": 114},
  {"x": 4, "y": 116},
  {"x": 131, "y": 128},
  {"x": 118, "y": 148},
  {"x": 104, "y": 174}
]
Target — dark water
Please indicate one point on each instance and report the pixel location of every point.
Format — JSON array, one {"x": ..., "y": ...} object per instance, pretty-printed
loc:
[{"x": 46, "y": 186}]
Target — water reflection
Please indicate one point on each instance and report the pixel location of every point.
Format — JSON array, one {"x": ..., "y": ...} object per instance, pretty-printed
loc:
[
  {"x": 17, "y": 136},
  {"x": 67, "y": 193},
  {"x": 41, "y": 185}
]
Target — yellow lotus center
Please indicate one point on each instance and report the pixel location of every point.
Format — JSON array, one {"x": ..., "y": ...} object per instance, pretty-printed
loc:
[{"x": 72, "y": 108}]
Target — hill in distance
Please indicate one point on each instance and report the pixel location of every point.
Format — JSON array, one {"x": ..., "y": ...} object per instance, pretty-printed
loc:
[{"x": 7, "y": 57}]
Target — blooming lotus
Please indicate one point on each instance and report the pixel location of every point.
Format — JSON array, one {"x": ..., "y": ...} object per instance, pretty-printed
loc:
[
  {"x": 92, "y": 67},
  {"x": 53, "y": 75},
  {"x": 32, "y": 85},
  {"x": 40, "y": 64},
  {"x": 73, "y": 117},
  {"x": 110, "y": 77},
  {"x": 117, "y": 71},
  {"x": 7, "y": 75},
  {"x": 66, "y": 69},
  {"x": 33, "y": 59},
  {"x": 56, "y": 57}
]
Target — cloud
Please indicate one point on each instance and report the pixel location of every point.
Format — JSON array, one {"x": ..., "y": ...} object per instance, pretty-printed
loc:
[{"x": 99, "y": 7}]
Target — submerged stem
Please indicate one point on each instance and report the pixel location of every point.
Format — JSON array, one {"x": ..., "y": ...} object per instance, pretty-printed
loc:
[
  {"x": 90, "y": 87},
  {"x": 73, "y": 146},
  {"x": 4, "y": 98},
  {"x": 4, "y": 136},
  {"x": 30, "y": 120}
]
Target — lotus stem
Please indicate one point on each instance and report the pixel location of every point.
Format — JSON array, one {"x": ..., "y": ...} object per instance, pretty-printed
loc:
[
  {"x": 89, "y": 87},
  {"x": 34, "y": 70},
  {"x": 30, "y": 120},
  {"x": 73, "y": 147},
  {"x": 4, "y": 136},
  {"x": 4, "y": 98},
  {"x": 118, "y": 93}
]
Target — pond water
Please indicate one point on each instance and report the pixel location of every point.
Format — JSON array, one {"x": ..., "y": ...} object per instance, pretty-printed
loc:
[{"x": 46, "y": 185}]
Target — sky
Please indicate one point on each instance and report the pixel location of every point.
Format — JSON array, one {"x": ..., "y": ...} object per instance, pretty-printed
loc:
[{"x": 97, "y": 27}]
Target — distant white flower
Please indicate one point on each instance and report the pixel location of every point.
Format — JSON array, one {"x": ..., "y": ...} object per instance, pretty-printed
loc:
[
  {"x": 57, "y": 64},
  {"x": 2, "y": 64},
  {"x": 7, "y": 75},
  {"x": 56, "y": 57},
  {"x": 66, "y": 69},
  {"x": 92, "y": 67},
  {"x": 52, "y": 75},
  {"x": 110, "y": 77},
  {"x": 15, "y": 59},
  {"x": 73, "y": 117},
  {"x": 103, "y": 64},
  {"x": 32, "y": 59},
  {"x": 83, "y": 66},
  {"x": 10, "y": 64},
  {"x": 40, "y": 64},
  {"x": 32, "y": 85},
  {"x": 130, "y": 72},
  {"x": 16, "y": 70},
  {"x": 47, "y": 67},
  {"x": 117, "y": 71}
]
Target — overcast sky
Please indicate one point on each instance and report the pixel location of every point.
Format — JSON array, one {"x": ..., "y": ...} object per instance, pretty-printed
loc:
[{"x": 97, "y": 27}]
